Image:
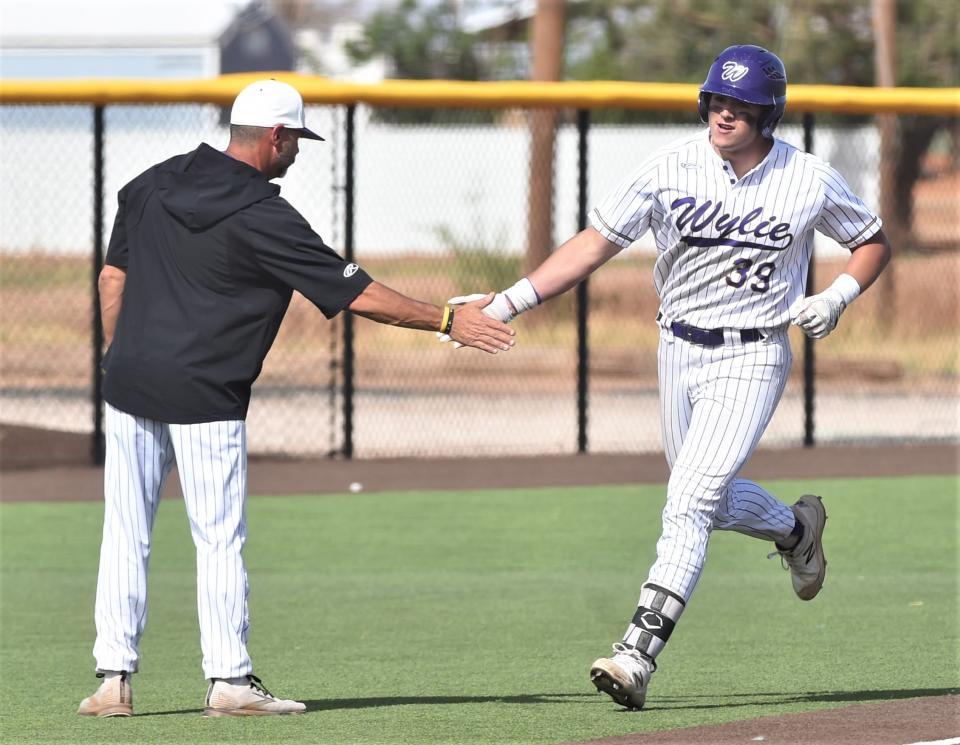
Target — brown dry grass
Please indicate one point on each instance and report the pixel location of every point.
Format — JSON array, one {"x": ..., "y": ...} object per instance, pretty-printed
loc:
[{"x": 902, "y": 333}]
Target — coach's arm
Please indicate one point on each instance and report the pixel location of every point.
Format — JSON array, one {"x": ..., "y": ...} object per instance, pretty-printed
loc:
[
  {"x": 470, "y": 326},
  {"x": 110, "y": 284}
]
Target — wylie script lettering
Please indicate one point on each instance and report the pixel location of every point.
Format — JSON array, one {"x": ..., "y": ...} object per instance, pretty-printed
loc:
[{"x": 702, "y": 216}]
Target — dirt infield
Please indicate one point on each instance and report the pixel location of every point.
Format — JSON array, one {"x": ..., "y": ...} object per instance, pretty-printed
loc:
[
  {"x": 42, "y": 465},
  {"x": 53, "y": 466},
  {"x": 905, "y": 722}
]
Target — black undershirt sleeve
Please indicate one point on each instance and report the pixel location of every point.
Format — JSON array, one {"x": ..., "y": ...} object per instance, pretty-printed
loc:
[{"x": 118, "y": 253}]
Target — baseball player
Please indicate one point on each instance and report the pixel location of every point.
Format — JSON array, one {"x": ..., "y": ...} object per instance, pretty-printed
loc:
[
  {"x": 201, "y": 265},
  {"x": 733, "y": 211}
]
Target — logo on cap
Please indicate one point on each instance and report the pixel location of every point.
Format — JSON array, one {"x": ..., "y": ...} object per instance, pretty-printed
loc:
[
  {"x": 773, "y": 72},
  {"x": 733, "y": 71}
]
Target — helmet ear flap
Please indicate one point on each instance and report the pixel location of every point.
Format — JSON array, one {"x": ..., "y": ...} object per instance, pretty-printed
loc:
[
  {"x": 703, "y": 104},
  {"x": 769, "y": 120}
]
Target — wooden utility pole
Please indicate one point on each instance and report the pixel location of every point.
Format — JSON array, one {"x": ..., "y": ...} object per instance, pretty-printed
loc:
[
  {"x": 546, "y": 46},
  {"x": 884, "y": 67},
  {"x": 884, "y": 73}
]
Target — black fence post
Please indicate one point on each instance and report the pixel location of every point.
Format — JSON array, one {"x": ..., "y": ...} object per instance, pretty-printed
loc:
[
  {"x": 97, "y": 443},
  {"x": 348, "y": 317},
  {"x": 583, "y": 349},
  {"x": 809, "y": 358}
]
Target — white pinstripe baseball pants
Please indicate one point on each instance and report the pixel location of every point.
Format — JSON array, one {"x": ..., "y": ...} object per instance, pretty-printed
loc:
[
  {"x": 212, "y": 462},
  {"x": 715, "y": 404}
]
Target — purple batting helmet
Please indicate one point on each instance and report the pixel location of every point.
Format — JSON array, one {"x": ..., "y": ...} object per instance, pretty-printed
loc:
[{"x": 751, "y": 74}]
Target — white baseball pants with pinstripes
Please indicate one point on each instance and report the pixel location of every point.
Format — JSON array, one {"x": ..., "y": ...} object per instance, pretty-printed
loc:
[
  {"x": 212, "y": 462},
  {"x": 715, "y": 404}
]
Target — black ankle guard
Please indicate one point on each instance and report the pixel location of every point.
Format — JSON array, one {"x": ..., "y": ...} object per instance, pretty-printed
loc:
[{"x": 653, "y": 623}]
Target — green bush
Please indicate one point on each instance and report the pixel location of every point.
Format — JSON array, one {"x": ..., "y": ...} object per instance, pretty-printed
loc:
[{"x": 477, "y": 267}]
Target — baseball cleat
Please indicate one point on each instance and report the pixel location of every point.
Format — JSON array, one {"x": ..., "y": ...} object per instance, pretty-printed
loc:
[
  {"x": 114, "y": 698},
  {"x": 623, "y": 677},
  {"x": 250, "y": 699},
  {"x": 805, "y": 561}
]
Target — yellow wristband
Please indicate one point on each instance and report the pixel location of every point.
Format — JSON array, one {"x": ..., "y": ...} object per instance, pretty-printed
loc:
[{"x": 447, "y": 320}]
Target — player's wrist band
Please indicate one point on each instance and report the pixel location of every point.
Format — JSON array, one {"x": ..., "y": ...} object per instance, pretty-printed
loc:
[
  {"x": 447, "y": 322},
  {"x": 847, "y": 286},
  {"x": 523, "y": 296}
]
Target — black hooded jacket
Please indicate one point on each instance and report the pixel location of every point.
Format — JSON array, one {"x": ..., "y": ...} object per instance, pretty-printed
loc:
[{"x": 212, "y": 254}]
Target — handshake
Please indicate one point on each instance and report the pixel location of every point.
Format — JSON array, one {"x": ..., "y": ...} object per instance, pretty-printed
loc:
[{"x": 504, "y": 307}]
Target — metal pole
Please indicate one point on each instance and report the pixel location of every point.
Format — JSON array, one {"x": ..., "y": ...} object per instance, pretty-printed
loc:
[
  {"x": 97, "y": 443},
  {"x": 583, "y": 350},
  {"x": 809, "y": 358},
  {"x": 348, "y": 317}
]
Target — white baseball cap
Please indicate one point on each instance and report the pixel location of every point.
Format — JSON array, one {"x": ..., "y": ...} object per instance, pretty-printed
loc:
[{"x": 267, "y": 103}]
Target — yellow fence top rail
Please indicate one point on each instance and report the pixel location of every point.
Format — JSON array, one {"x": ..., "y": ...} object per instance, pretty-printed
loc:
[{"x": 462, "y": 94}]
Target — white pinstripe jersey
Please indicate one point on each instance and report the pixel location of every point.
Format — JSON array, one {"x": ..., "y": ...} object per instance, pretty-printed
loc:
[{"x": 732, "y": 253}]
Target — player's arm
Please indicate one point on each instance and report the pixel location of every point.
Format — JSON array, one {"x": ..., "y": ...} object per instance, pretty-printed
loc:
[
  {"x": 110, "y": 286},
  {"x": 818, "y": 315},
  {"x": 592, "y": 247},
  {"x": 469, "y": 325},
  {"x": 868, "y": 260},
  {"x": 571, "y": 263}
]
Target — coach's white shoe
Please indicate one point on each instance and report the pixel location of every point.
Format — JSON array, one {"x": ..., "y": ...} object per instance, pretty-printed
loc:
[
  {"x": 225, "y": 699},
  {"x": 805, "y": 561},
  {"x": 114, "y": 698},
  {"x": 623, "y": 677}
]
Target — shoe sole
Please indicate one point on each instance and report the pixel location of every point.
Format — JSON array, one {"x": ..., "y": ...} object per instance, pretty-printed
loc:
[
  {"x": 810, "y": 592},
  {"x": 208, "y": 712},
  {"x": 609, "y": 679},
  {"x": 120, "y": 710}
]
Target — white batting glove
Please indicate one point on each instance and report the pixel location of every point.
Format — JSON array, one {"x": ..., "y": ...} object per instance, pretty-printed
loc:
[
  {"x": 460, "y": 300},
  {"x": 505, "y": 305},
  {"x": 818, "y": 315},
  {"x": 500, "y": 308}
]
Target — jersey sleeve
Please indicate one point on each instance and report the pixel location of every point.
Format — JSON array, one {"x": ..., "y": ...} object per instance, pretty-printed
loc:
[
  {"x": 625, "y": 214},
  {"x": 287, "y": 249},
  {"x": 843, "y": 216},
  {"x": 118, "y": 252}
]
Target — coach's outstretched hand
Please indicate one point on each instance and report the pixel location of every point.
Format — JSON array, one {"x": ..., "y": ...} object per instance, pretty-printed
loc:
[
  {"x": 460, "y": 300},
  {"x": 473, "y": 326},
  {"x": 488, "y": 310},
  {"x": 468, "y": 323}
]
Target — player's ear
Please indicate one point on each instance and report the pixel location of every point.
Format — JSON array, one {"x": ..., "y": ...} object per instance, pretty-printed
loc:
[{"x": 276, "y": 135}]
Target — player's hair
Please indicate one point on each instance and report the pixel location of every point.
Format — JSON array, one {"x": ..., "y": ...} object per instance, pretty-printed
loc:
[{"x": 244, "y": 134}]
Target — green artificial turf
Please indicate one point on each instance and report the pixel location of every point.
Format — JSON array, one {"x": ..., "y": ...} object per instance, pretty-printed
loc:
[{"x": 472, "y": 617}]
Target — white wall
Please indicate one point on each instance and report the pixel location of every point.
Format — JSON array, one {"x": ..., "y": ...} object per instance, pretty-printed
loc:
[
  {"x": 411, "y": 181},
  {"x": 58, "y": 39}
]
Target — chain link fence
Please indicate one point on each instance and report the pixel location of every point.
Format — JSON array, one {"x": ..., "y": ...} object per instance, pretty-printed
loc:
[{"x": 442, "y": 206}]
